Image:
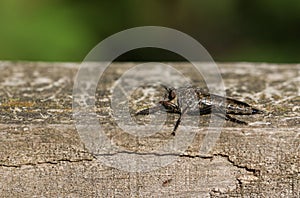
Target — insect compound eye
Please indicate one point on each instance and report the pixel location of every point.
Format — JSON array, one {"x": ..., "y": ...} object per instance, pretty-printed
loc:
[{"x": 172, "y": 95}]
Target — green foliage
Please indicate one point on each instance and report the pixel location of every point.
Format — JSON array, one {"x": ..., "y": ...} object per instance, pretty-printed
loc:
[{"x": 232, "y": 30}]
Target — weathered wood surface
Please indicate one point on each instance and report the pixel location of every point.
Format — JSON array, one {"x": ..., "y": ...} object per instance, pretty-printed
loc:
[{"x": 41, "y": 153}]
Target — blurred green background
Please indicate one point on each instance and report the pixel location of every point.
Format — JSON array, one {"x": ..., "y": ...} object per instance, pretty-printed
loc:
[{"x": 231, "y": 30}]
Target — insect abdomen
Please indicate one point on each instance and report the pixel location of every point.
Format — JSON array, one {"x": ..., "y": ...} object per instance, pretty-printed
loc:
[{"x": 238, "y": 107}]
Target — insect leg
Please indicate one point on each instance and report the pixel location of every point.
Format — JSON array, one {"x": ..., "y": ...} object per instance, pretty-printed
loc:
[
  {"x": 232, "y": 119},
  {"x": 176, "y": 125},
  {"x": 201, "y": 111},
  {"x": 219, "y": 112},
  {"x": 205, "y": 110},
  {"x": 178, "y": 121},
  {"x": 150, "y": 110}
]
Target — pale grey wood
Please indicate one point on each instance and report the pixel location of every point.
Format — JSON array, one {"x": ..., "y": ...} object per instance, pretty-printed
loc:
[{"x": 41, "y": 153}]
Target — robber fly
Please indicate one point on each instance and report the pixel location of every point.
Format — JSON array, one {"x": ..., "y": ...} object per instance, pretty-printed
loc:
[{"x": 196, "y": 100}]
